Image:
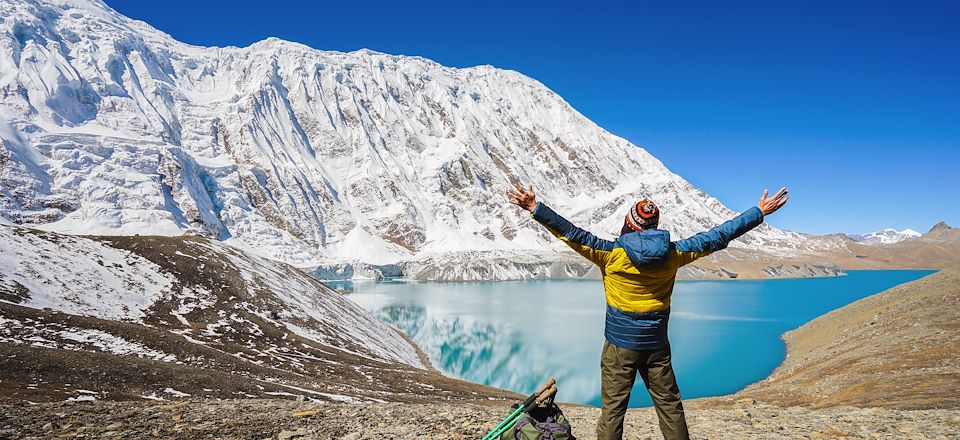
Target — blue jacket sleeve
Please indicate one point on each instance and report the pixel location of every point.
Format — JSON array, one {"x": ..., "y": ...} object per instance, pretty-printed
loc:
[
  {"x": 705, "y": 243},
  {"x": 595, "y": 249}
]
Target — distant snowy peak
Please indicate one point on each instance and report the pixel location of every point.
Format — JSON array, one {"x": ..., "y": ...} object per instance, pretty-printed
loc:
[
  {"x": 110, "y": 126},
  {"x": 885, "y": 236}
]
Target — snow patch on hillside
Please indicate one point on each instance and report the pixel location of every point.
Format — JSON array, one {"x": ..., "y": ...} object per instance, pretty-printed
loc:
[
  {"x": 80, "y": 276},
  {"x": 38, "y": 334}
]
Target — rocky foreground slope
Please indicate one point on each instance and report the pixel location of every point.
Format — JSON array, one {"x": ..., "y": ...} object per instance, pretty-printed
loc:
[
  {"x": 159, "y": 318},
  {"x": 883, "y": 367}
]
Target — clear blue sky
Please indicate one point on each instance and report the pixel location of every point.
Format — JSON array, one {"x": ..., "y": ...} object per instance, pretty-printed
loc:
[{"x": 853, "y": 105}]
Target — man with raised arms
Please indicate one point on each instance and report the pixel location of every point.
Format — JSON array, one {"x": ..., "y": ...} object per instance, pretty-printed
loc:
[{"x": 639, "y": 269}]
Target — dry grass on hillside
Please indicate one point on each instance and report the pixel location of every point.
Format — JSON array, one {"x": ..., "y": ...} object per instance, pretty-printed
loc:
[{"x": 899, "y": 348}]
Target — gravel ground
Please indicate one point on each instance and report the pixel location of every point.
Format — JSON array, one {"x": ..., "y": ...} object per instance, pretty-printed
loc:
[{"x": 275, "y": 419}]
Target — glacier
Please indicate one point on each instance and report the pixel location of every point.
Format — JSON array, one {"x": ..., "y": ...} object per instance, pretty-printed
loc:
[{"x": 325, "y": 160}]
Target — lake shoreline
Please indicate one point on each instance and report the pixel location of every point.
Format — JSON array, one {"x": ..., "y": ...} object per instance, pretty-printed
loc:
[
  {"x": 336, "y": 284},
  {"x": 564, "y": 267}
]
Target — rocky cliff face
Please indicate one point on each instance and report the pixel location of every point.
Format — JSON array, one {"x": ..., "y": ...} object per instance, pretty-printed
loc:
[{"x": 311, "y": 157}]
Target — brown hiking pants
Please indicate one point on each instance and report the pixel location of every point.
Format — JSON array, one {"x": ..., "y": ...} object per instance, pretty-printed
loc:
[{"x": 618, "y": 370}]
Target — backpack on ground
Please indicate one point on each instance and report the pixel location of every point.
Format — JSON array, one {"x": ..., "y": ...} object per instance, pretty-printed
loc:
[
  {"x": 541, "y": 423},
  {"x": 536, "y": 418}
]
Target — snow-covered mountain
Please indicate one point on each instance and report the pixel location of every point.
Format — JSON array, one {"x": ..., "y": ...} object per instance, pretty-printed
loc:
[
  {"x": 110, "y": 126},
  {"x": 885, "y": 236}
]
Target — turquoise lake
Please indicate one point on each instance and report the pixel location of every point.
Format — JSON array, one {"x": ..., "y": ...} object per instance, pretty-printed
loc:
[{"x": 515, "y": 334}]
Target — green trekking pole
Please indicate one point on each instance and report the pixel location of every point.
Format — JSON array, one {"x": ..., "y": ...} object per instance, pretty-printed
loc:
[
  {"x": 526, "y": 403},
  {"x": 516, "y": 415}
]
